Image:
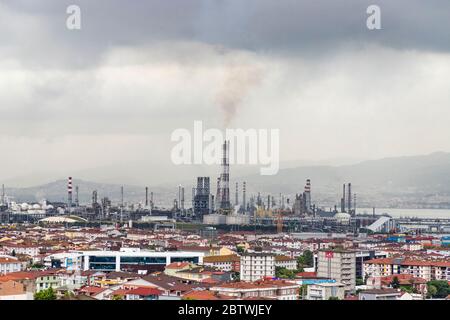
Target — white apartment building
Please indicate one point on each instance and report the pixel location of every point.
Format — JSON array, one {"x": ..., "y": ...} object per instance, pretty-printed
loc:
[
  {"x": 325, "y": 291},
  {"x": 255, "y": 266},
  {"x": 9, "y": 264},
  {"x": 428, "y": 270},
  {"x": 339, "y": 265},
  {"x": 286, "y": 262}
]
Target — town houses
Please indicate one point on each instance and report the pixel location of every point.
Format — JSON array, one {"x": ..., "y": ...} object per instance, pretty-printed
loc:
[{"x": 125, "y": 263}]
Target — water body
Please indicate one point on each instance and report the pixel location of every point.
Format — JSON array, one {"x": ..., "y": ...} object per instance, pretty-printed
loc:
[{"x": 403, "y": 213}]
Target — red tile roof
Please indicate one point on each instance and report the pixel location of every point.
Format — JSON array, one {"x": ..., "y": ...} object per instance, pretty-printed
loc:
[{"x": 145, "y": 291}]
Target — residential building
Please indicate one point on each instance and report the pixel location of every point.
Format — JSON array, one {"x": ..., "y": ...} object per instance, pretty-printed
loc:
[
  {"x": 256, "y": 266},
  {"x": 380, "y": 294},
  {"x": 325, "y": 291},
  {"x": 338, "y": 265},
  {"x": 9, "y": 264},
  {"x": 286, "y": 262},
  {"x": 224, "y": 263},
  {"x": 270, "y": 289}
]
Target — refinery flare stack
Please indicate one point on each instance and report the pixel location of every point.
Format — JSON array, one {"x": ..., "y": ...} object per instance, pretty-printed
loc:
[{"x": 223, "y": 193}]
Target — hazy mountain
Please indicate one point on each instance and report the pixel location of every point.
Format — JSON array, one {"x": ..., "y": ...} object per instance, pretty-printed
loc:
[{"x": 409, "y": 179}]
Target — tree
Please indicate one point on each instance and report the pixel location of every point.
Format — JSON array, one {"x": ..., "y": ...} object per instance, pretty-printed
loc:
[
  {"x": 303, "y": 291},
  {"x": 431, "y": 291},
  {"x": 306, "y": 259},
  {"x": 438, "y": 288},
  {"x": 395, "y": 283},
  {"x": 47, "y": 294},
  {"x": 406, "y": 289},
  {"x": 284, "y": 273},
  {"x": 37, "y": 266},
  {"x": 240, "y": 249},
  {"x": 359, "y": 282},
  {"x": 333, "y": 298}
]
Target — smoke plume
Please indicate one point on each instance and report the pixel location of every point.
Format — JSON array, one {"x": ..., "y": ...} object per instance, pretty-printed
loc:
[{"x": 239, "y": 80}]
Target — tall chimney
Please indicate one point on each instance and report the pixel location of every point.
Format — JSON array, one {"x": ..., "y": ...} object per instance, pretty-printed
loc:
[
  {"x": 146, "y": 196},
  {"x": 182, "y": 199},
  {"x": 77, "y": 199},
  {"x": 3, "y": 194},
  {"x": 121, "y": 203},
  {"x": 225, "y": 178},
  {"x": 343, "y": 198},
  {"x": 244, "y": 199},
  {"x": 236, "y": 200},
  {"x": 69, "y": 192},
  {"x": 308, "y": 195},
  {"x": 151, "y": 200},
  {"x": 349, "y": 196}
]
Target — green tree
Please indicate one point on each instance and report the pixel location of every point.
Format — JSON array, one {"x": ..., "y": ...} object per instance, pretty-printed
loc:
[
  {"x": 395, "y": 283},
  {"x": 240, "y": 249},
  {"x": 284, "y": 273},
  {"x": 47, "y": 294},
  {"x": 431, "y": 291},
  {"x": 303, "y": 291},
  {"x": 333, "y": 298},
  {"x": 305, "y": 260},
  {"x": 442, "y": 288},
  {"x": 406, "y": 289},
  {"x": 37, "y": 266},
  {"x": 359, "y": 281}
]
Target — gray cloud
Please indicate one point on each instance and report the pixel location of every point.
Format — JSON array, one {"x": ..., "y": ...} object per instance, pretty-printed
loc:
[
  {"x": 288, "y": 26},
  {"x": 139, "y": 69}
]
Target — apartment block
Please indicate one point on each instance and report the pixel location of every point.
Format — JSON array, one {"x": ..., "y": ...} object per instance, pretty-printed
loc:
[
  {"x": 339, "y": 265},
  {"x": 256, "y": 266}
]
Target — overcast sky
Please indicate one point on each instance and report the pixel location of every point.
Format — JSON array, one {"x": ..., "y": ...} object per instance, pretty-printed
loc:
[{"x": 109, "y": 95}]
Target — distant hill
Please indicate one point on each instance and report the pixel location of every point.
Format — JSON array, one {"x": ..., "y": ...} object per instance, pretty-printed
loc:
[
  {"x": 57, "y": 191},
  {"x": 413, "y": 180},
  {"x": 429, "y": 173},
  {"x": 385, "y": 182}
]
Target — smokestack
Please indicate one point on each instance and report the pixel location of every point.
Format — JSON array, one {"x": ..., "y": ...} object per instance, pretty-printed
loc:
[
  {"x": 182, "y": 199},
  {"x": 218, "y": 194},
  {"x": 121, "y": 203},
  {"x": 179, "y": 195},
  {"x": 244, "y": 200},
  {"x": 94, "y": 198},
  {"x": 146, "y": 196},
  {"x": 151, "y": 200},
  {"x": 225, "y": 178},
  {"x": 69, "y": 192},
  {"x": 354, "y": 204},
  {"x": 3, "y": 194},
  {"x": 236, "y": 200},
  {"x": 349, "y": 196},
  {"x": 77, "y": 199},
  {"x": 343, "y": 198},
  {"x": 308, "y": 195}
]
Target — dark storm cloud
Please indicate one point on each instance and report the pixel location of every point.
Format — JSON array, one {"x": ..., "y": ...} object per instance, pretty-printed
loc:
[{"x": 282, "y": 26}]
